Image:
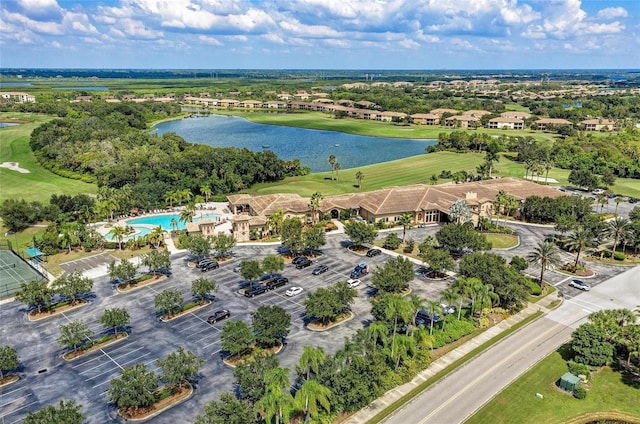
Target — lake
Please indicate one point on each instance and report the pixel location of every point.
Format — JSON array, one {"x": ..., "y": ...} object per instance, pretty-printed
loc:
[{"x": 312, "y": 147}]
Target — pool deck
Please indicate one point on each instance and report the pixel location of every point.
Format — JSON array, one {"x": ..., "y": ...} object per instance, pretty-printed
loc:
[{"x": 220, "y": 209}]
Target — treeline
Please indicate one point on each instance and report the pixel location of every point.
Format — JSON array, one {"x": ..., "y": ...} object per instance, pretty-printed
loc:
[{"x": 108, "y": 144}]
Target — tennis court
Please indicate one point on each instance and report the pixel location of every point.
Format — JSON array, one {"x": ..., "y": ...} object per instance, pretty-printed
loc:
[{"x": 13, "y": 271}]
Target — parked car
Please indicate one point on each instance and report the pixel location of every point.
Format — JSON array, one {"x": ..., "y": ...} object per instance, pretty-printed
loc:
[
  {"x": 237, "y": 268},
  {"x": 255, "y": 290},
  {"x": 293, "y": 291},
  {"x": 218, "y": 316},
  {"x": 422, "y": 271},
  {"x": 299, "y": 259},
  {"x": 320, "y": 269},
  {"x": 373, "y": 252},
  {"x": 203, "y": 262},
  {"x": 360, "y": 270},
  {"x": 303, "y": 264},
  {"x": 277, "y": 282},
  {"x": 424, "y": 318},
  {"x": 598, "y": 191},
  {"x": 633, "y": 200},
  {"x": 448, "y": 309},
  {"x": 353, "y": 282},
  {"x": 580, "y": 285},
  {"x": 209, "y": 266},
  {"x": 164, "y": 270}
]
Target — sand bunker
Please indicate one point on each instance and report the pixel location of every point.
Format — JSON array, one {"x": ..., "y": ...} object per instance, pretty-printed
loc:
[{"x": 14, "y": 167}]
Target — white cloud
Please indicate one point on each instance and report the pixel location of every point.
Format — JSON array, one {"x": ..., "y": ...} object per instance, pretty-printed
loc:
[
  {"x": 314, "y": 31},
  {"x": 612, "y": 13},
  {"x": 409, "y": 44},
  {"x": 209, "y": 40},
  {"x": 56, "y": 44},
  {"x": 41, "y": 10}
]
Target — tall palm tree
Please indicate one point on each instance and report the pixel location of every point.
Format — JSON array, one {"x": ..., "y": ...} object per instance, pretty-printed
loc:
[
  {"x": 547, "y": 255},
  {"x": 418, "y": 303},
  {"x": 464, "y": 287},
  {"x": 450, "y": 296},
  {"x": 277, "y": 402},
  {"x": 578, "y": 240},
  {"x": 274, "y": 221},
  {"x": 118, "y": 232},
  {"x": 499, "y": 203},
  {"x": 337, "y": 168},
  {"x": 404, "y": 347},
  {"x": 490, "y": 157},
  {"x": 486, "y": 295},
  {"x": 377, "y": 333},
  {"x": 359, "y": 178},
  {"x": 314, "y": 205},
  {"x": 187, "y": 214},
  {"x": 618, "y": 228},
  {"x": 434, "y": 308},
  {"x": 405, "y": 220},
  {"x": 332, "y": 162},
  {"x": 311, "y": 359},
  {"x": 401, "y": 308},
  {"x": 312, "y": 395},
  {"x": 156, "y": 236},
  {"x": 618, "y": 200},
  {"x": 206, "y": 192},
  {"x": 171, "y": 197}
]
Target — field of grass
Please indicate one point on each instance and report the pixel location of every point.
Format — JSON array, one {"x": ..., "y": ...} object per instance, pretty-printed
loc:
[
  {"x": 324, "y": 121},
  {"x": 518, "y": 402},
  {"x": 502, "y": 241},
  {"x": 39, "y": 184}
]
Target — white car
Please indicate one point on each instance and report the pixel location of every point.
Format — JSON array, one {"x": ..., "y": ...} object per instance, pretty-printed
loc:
[
  {"x": 353, "y": 282},
  {"x": 294, "y": 291}
]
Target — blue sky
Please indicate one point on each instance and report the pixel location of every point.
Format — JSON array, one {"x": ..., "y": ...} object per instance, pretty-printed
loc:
[{"x": 320, "y": 34}]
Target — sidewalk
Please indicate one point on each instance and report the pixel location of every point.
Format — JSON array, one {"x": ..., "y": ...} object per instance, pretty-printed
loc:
[{"x": 377, "y": 406}]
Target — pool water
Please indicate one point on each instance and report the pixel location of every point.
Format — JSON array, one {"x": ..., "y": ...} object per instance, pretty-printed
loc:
[
  {"x": 165, "y": 221},
  {"x": 139, "y": 232}
]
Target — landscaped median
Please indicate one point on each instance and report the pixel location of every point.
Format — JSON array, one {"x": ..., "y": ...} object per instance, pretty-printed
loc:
[
  {"x": 141, "y": 281},
  {"x": 184, "y": 310},
  {"x": 167, "y": 397},
  {"x": 94, "y": 346}
]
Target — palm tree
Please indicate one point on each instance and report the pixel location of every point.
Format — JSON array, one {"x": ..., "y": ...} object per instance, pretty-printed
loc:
[
  {"x": 311, "y": 395},
  {"x": 450, "y": 296},
  {"x": 499, "y": 203},
  {"x": 311, "y": 359},
  {"x": 174, "y": 224},
  {"x": 206, "y": 192},
  {"x": 314, "y": 205},
  {"x": 156, "y": 236},
  {"x": 580, "y": 239},
  {"x": 405, "y": 220},
  {"x": 187, "y": 214},
  {"x": 602, "y": 200},
  {"x": 332, "y": 162},
  {"x": 546, "y": 255},
  {"x": 404, "y": 346},
  {"x": 484, "y": 293},
  {"x": 184, "y": 195},
  {"x": 418, "y": 303},
  {"x": 434, "y": 308},
  {"x": 376, "y": 332},
  {"x": 118, "y": 232},
  {"x": 277, "y": 401},
  {"x": 618, "y": 228},
  {"x": 398, "y": 307},
  {"x": 337, "y": 168},
  {"x": 464, "y": 287},
  {"x": 274, "y": 221},
  {"x": 171, "y": 197},
  {"x": 359, "y": 178},
  {"x": 491, "y": 156},
  {"x": 618, "y": 200}
]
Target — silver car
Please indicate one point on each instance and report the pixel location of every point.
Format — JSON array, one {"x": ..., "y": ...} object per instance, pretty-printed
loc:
[{"x": 580, "y": 285}]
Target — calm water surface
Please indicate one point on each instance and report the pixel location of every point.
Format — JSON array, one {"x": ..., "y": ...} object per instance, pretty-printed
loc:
[{"x": 312, "y": 147}]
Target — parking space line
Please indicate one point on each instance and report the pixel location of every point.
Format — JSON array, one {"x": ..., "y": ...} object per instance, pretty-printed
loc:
[
  {"x": 107, "y": 355},
  {"x": 16, "y": 410},
  {"x": 101, "y": 384},
  {"x": 135, "y": 359},
  {"x": 217, "y": 351},
  {"x": 16, "y": 399},
  {"x": 562, "y": 281},
  {"x": 211, "y": 344},
  {"x": 8, "y": 393},
  {"x": 93, "y": 368},
  {"x": 584, "y": 308},
  {"x": 128, "y": 353}
]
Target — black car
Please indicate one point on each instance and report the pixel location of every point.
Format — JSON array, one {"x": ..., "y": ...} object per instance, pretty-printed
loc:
[
  {"x": 424, "y": 318},
  {"x": 255, "y": 290},
  {"x": 164, "y": 270},
  {"x": 320, "y": 269},
  {"x": 218, "y": 316},
  {"x": 277, "y": 282},
  {"x": 209, "y": 266},
  {"x": 633, "y": 200},
  {"x": 373, "y": 252},
  {"x": 299, "y": 259},
  {"x": 303, "y": 264},
  {"x": 203, "y": 262}
]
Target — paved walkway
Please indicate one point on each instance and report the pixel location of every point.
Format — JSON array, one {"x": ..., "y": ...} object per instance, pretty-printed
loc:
[{"x": 377, "y": 406}]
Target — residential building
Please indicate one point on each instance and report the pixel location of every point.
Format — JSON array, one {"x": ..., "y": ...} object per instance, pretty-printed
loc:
[
  {"x": 425, "y": 119},
  {"x": 544, "y": 123},
  {"x": 461, "y": 121},
  {"x": 598, "y": 124},
  {"x": 17, "y": 97},
  {"x": 506, "y": 123}
]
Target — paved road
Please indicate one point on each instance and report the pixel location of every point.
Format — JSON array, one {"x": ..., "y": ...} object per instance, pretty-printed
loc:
[{"x": 459, "y": 395}]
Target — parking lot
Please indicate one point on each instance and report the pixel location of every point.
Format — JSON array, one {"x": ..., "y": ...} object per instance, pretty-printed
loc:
[{"x": 47, "y": 378}]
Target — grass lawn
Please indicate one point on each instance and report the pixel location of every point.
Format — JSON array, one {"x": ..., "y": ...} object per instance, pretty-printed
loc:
[
  {"x": 39, "y": 184},
  {"x": 518, "y": 402},
  {"x": 501, "y": 241}
]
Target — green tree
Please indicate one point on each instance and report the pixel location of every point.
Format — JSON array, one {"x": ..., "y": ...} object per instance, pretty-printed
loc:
[
  {"x": 156, "y": 236},
  {"x": 203, "y": 287},
  {"x": 439, "y": 261},
  {"x": 118, "y": 232},
  {"x": 546, "y": 255},
  {"x": 74, "y": 334},
  {"x": 360, "y": 232},
  {"x": 311, "y": 360},
  {"x": 405, "y": 220},
  {"x": 311, "y": 396},
  {"x": 167, "y": 301},
  {"x": 337, "y": 167},
  {"x": 450, "y": 296},
  {"x": 228, "y": 410},
  {"x": 250, "y": 270},
  {"x": 223, "y": 243},
  {"x": 196, "y": 244},
  {"x": 291, "y": 234},
  {"x": 250, "y": 376},
  {"x": 393, "y": 276},
  {"x": 578, "y": 241},
  {"x": 36, "y": 294},
  {"x": 236, "y": 338},
  {"x": 124, "y": 270},
  {"x": 323, "y": 304},
  {"x": 187, "y": 214},
  {"x": 136, "y": 387},
  {"x": 277, "y": 402},
  {"x": 275, "y": 220},
  {"x": 619, "y": 228},
  {"x": 66, "y": 413},
  {"x": 8, "y": 360},
  {"x": 584, "y": 178},
  {"x": 270, "y": 324},
  {"x": 206, "y": 192},
  {"x": 401, "y": 309},
  {"x": 115, "y": 318},
  {"x": 591, "y": 345},
  {"x": 392, "y": 241},
  {"x": 272, "y": 264},
  {"x": 434, "y": 308},
  {"x": 157, "y": 259},
  {"x": 179, "y": 366},
  {"x": 73, "y": 285},
  {"x": 359, "y": 178},
  {"x": 456, "y": 237},
  {"x": 314, "y": 206},
  {"x": 332, "y": 162},
  {"x": 314, "y": 238}
]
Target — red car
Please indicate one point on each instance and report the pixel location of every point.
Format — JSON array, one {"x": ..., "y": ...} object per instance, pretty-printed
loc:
[{"x": 218, "y": 316}]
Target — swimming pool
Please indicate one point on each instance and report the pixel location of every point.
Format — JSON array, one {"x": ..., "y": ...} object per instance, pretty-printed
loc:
[
  {"x": 139, "y": 232},
  {"x": 165, "y": 221}
]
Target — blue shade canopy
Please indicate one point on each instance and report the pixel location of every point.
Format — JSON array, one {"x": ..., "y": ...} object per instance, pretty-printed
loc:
[{"x": 33, "y": 252}]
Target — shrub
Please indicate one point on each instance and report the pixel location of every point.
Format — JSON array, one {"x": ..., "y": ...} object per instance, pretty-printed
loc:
[
  {"x": 580, "y": 392},
  {"x": 519, "y": 263},
  {"x": 607, "y": 253},
  {"x": 408, "y": 248},
  {"x": 392, "y": 241},
  {"x": 619, "y": 256},
  {"x": 576, "y": 368},
  {"x": 534, "y": 288},
  {"x": 453, "y": 331}
]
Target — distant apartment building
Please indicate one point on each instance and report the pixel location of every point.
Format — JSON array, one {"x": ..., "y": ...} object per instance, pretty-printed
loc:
[
  {"x": 516, "y": 114},
  {"x": 544, "y": 123},
  {"x": 506, "y": 123},
  {"x": 17, "y": 97},
  {"x": 461, "y": 121},
  {"x": 425, "y": 119},
  {"x": 598, "y": 124}
]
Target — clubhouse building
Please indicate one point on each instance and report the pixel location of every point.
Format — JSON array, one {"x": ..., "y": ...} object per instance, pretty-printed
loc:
[{"x": 427, "y": 204}]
